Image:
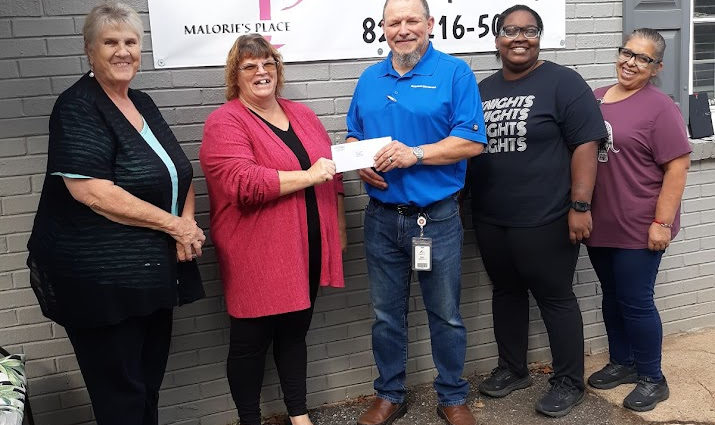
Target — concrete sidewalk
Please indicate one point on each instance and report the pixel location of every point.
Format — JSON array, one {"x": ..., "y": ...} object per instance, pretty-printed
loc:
[
  {"x": 689, "y": 366},
  {"x": 688, "y": 363}
]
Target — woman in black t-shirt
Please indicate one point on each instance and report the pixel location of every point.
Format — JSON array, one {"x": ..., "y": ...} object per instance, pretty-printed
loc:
[
  {"x": 531, "y": 191},
  {"x": 114, "y": 242}
]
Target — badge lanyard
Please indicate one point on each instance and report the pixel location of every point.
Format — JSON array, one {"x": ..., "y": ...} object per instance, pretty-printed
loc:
[{"x": 422, "y": 248}]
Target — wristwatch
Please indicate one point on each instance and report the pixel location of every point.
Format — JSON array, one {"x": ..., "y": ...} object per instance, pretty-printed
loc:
[
  {"x": 419, "y": 153},
  {"x": 580, "y": 206}
]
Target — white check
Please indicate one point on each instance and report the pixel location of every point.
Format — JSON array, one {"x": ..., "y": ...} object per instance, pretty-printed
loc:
[{"x": 356, "y": 155}]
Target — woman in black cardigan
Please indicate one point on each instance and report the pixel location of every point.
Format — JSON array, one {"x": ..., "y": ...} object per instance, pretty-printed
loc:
[{"x": 114, "y": 242}]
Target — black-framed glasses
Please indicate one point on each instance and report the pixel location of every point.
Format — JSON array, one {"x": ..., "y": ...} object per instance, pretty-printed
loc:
[
  {"x": 513, "y": 31},
  {"x": 252, "y": 68},
  {"x": 641, "y": 59}
]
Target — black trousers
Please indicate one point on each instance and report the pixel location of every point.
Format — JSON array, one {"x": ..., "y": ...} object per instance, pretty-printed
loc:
[
  {"x": 123, "y": 366},
  {"x": 249, "y": 342},
  {"x": 541, "y": 260}
]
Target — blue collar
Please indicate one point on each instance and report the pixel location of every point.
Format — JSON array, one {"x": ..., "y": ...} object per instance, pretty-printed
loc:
[{"x": 426, "y": 65}]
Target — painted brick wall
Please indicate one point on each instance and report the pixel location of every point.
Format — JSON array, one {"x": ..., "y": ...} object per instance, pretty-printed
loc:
[{"x": 41, "y": 54}]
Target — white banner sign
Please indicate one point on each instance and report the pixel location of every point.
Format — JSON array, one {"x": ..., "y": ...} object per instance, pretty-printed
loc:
[{"x": 190, "y": 33}]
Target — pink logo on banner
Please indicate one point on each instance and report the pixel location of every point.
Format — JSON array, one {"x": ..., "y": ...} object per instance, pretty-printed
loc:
[
  {"x": 265, "y": 7},
  {"x": 268, "y": 39},
  {"x": 265, "y": 15}
]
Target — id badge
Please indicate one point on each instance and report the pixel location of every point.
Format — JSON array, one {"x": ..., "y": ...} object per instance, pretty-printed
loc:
[{"x": 422, "y": 254}]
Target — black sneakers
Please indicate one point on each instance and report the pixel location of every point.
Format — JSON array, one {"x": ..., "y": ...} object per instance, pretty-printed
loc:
[
  {"x": 560, "y": 399},
  {"x": 502, "y": 382},
  {"x": 613, "y": 375},
  {"x": 647, "y": 394}
]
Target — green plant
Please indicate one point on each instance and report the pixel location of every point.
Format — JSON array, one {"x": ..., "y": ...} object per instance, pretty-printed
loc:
[
  {"x": 13, "y": 368},
  {"x": 12, "y": 383},
  {"x": 11, "y": 398}
]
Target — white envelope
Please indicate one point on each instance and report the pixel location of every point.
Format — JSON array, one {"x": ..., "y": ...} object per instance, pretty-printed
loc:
[{"x": 356, "y": 155}]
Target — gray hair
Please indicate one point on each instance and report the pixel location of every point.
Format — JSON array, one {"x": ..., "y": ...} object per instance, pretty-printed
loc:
[
  {"x": 651, "y": 35},
  {"x": 110, "y": 14},
  {"x": 425, "y": 6}
]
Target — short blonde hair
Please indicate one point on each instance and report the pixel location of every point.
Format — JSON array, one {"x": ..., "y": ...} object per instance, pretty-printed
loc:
[
  {"x": 250, "y": 46},
  {"x": 108, "y": 15}
]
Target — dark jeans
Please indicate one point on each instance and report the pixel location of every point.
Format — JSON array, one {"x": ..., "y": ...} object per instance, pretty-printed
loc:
[
  {"x": 123, "y": 366},
  {"x": 541, "y": 260},
  {"x": 635, "y": 333},
  {"x": 388, "y": 244}
]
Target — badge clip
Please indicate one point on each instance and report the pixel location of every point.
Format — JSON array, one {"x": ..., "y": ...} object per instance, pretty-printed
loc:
[{"x": 422, "y": 248}]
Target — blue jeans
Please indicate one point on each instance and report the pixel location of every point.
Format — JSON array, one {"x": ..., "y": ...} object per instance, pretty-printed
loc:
[
  {"x": 388, "y": 246},
  {"x": 635, "y": 333}
]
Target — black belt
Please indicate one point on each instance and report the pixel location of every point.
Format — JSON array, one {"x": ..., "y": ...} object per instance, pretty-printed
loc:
[{"x": 407, "y": 209}]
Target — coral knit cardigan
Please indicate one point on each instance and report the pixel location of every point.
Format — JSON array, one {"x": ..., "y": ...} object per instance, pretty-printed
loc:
[{"x": 261, "y": 238}]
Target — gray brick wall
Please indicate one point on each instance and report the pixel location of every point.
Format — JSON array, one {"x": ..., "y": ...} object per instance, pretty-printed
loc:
[{"x": 41, "y": 54}]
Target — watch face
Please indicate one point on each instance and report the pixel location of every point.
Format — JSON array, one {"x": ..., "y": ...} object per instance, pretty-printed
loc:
[{"x": 581, "y": 206}]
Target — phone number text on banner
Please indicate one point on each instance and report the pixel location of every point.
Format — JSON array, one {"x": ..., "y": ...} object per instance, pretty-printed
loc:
[{"x": 185, "y": 33}]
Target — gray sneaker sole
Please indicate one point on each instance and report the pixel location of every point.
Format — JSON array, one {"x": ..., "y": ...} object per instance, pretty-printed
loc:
[{"x": 524, "y": 382}]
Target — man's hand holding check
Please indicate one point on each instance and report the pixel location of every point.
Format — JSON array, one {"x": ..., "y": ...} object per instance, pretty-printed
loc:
[{"x": 371, "y": 155}]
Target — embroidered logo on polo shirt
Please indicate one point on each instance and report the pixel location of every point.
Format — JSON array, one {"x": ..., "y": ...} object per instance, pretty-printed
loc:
[{"x": 422, "y": 86}]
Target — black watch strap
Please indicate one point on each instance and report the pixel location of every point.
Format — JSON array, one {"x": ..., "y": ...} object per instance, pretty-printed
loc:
[{"x": 580, "y": 206}]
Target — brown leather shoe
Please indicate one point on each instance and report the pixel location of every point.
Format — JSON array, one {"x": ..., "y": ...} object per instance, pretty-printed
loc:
[
  {"x": 382, "y": 412},
  {"x": 456, "y": 415}
]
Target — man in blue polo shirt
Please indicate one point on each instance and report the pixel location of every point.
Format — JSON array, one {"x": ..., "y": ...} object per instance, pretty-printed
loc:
[{"x": 429, "y": 103}]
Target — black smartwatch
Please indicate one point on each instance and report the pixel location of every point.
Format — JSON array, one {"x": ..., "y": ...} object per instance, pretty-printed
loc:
[{"x": 580, "y": 206}]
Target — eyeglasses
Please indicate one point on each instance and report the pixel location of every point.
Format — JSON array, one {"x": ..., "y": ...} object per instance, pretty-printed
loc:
[
  {"x": 512, "y": 31},
  {"x": 642, "y": 60},
  {"x": 252, "y": 68}
]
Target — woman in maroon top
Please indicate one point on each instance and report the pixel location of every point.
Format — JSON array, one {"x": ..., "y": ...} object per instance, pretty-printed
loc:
[
  {"x": 277, "y": 221},
  {"x": 641, "y": 177}
]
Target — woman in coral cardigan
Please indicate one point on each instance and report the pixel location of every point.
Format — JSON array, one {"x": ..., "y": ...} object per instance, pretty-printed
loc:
[{"x": 277, "y": 221}]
